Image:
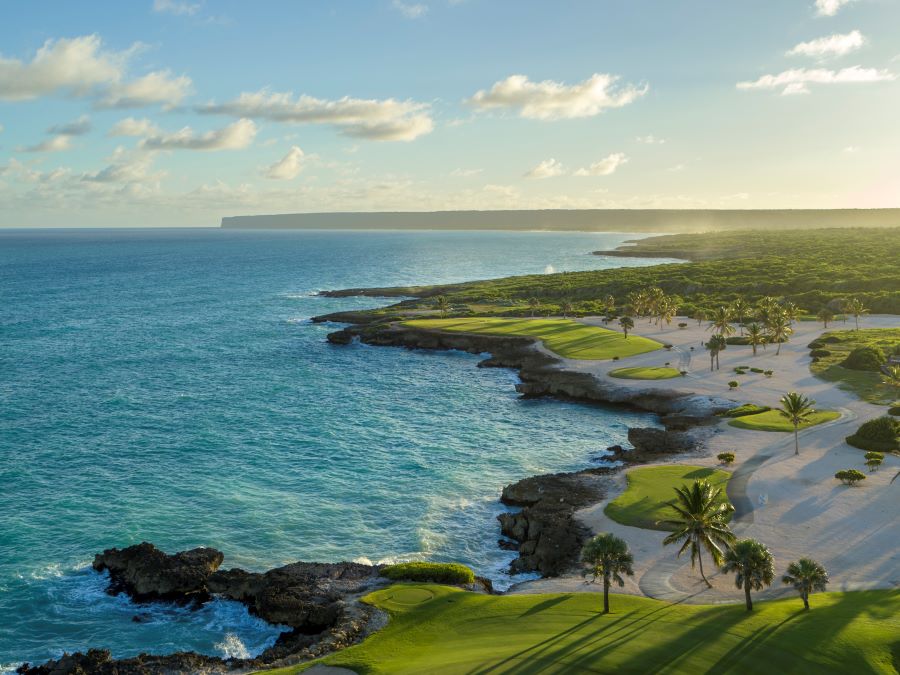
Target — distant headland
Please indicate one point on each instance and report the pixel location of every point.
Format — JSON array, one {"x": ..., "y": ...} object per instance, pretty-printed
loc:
[{"x": 585, "y": 220}]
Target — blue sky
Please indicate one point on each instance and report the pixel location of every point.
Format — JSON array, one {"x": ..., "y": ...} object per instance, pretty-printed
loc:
[{"x": 177, "y": 112}]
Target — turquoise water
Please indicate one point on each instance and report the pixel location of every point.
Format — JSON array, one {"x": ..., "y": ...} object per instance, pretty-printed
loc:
[{"x": 166, "y": 385}]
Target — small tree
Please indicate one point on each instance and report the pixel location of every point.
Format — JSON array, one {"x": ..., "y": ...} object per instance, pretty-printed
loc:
[
  {"x": 442, "y": 305},
  {"x": 627, "y": 323},
  {"x": 874, "y": 455},
  {"x": 856, "y": 308},
  {"x": 753, "y": 567},
  {"x": 608, "y": 558},
  {"x": 806, "y": 576},
  {"x": 873, "y": 463},
  {"x": 566, "y": 307},
  {"x": 533, "y": 304},
  {"x": 850, "y": 476},
  {"x": 825, "y": 315},
  {"x": 716, "y": 344},
  {"x": 726, "y": 458},
  {"x": 734, "y": 384},
  {"x": 756, "y": 336}
]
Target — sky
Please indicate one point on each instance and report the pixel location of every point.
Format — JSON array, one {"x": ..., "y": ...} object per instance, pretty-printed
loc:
[{"x": 179, "y": 112}]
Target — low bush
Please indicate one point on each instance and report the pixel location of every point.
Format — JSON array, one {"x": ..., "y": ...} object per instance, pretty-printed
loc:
[
  {"x": 894, "y": 410},
  {"x": 756, "y": 370},
  {"x": 868, "y": 357},
  {"x": 768, "y": 373},
  {"x": 815, "y": 344},
  {"x": 819, "y": 353},
  {"x": 746, "y": 409},
  {"x": 682, "y": 325},
  {"x": 438, "y": 573},
  {"x": 880, "y": 435},
  {"x": 669, "y": 347},
  {"x": 850, "y": 476},
  {"x": 734, "y": 384},
  {"x": 737, "y": 340},
  {"x": 725, "y": 457},
  {"x": 873, "y": 464}
]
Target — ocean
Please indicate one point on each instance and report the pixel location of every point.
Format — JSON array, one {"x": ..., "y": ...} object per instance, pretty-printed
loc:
[{"x": 167, "y": 385}]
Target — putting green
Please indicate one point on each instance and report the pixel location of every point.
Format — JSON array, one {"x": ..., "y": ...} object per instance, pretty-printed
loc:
[
  {"x": 461, "y": 632},
  {"x": 647, "y": 373},
  {"x": 773, "y": 420},
  {"x": 652, "y": 488},
  {"x": 567, "y": 338}
]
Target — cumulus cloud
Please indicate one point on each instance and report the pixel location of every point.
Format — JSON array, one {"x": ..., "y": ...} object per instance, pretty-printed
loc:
[
  {"x": 830, "y": 7},
  {"x": 832, "y": 45},
  {"x": 125, "y": 168},
  {"x": 159, "y": 87},
  {"x": 465, "y": 173},
  {"x": 77, "y": 127},
  {"x": 235, "y": 136},
  {"x": 288, "y": 167},
  {"x": 546, "y": 169},
  {"x": 797, "y": 80},
  {"x": 54, "y": 144},
  {"x": 76, "y": 65},
  {"x": 380, "y": 120},
  {"x": 605, "y": 166},
  {"x": 549, "y": 100},
  {"x": 650, "y": 139},
  {"x": 134, "y": 127},
  {"x": 410, "y": 10},
  {"x": 174, "y": 7}
]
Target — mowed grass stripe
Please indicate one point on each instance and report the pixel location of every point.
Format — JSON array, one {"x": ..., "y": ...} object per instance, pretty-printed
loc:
[
  {"x": 567, "y": 338},
  {"x": 775, "y": 421},
  {"x": 454, "y": 631}
]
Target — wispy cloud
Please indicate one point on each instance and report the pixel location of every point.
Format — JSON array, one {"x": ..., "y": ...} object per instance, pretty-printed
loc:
[
  {"x": 830, "y": 7},
  {"x": 550, "y": 100},
  {"x": 838, "y": 44},
  {"x": 797, "y": 80},
  {"x": 288, "y": 167},
  {"x": 465, "y": 173},
  {"x": 233, "y": 137},
  {"x": 650, "y": 139},
  {"x": 546, "y": 169},
  {"x": 134, "y": 127},
  {"x": 605, "y": 166},
  {"x": 54, "y": 144},
  {"x": 175, "y": 7},
  {"x": 77, "y": 127},
  {"x": 411, "y": 10}
]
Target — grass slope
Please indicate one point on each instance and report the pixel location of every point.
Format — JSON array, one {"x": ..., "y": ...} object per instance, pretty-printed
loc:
[
  {"x": 646, "y": 373},
  {"x": 442, "y": 630},
  {"x": 567, "y": 338},
  {"x": 651, "y": 489},
  {"x": 868, "y": 386},
  {"x": 774, "y": 421}
]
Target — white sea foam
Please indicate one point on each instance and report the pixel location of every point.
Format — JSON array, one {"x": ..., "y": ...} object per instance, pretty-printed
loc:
[{"x": 231, "y": 647}]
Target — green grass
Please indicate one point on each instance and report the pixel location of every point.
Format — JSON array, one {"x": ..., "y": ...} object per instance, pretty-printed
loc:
[
  {"x": 775, "y": 421},
  {"x": 567, "y": 338},
  {"x": 651, "y": 489},
  {"x": 648, "y": 373},
  {"x": 867, "y": 385},
  {"x": 441, "y": 631}
]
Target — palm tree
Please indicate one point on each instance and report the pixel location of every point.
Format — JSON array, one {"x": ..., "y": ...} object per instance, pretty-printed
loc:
[
  {"x": 791, "y": 311},
  {"x": 721, "y": 322},
  {"x": 857, "y": 309},
  {"x": 638, "y": 302},
  {"x": 609, "y": 304},
  {"x": 797, "y": 409},
  {"x": 739, "y": 309},
  {"x": 668, "y": 309},
  {"x": 442, "y": 305},
  {"x": 608, "y": 557},
  {"x": 825, "y": 315},
  {"x": 566, "y": 307},
  {"x": 715, "y": 344},
  {"x": 753, "y": 567},
  {"x": 699, "y": 316},
  {"x": 806, "y": 575},
  {"x": 655, "y": 297},
  {"x": 755, "y": 336},
  {"x": 780, "y": 330},
  {"x": 627, "y": 323},
  {"x": 533, "y": 303},
  {"x": 701, "y": 522}
]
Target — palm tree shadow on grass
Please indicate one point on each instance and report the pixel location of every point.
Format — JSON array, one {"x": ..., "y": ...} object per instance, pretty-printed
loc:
[{"x": 546, "y": 604}]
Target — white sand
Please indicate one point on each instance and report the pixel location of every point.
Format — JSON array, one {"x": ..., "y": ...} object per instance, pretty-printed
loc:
[{"x": 798, "y": 508}]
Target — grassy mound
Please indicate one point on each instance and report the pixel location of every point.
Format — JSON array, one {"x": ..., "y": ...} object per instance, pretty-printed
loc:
[
  {"x": 746, "y": 409},
  {"x": 867, "y": 384},
  {"x": 648, "y": 373},
  {"x": 439, "y": 573},
  {"x": 651, "y": 489},
  {"x": 442, "y": 631},
  {"x": 567, "y": 338},
  {"x": 881, "y": 435},
  {"x": 774, "y": 421}
]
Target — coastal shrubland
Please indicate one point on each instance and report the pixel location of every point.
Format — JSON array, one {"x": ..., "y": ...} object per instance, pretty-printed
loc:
[
  {"x": 881, "y": 434},
  {"x": 854, "y": 361},
  {"x": 438, "y": 573}
]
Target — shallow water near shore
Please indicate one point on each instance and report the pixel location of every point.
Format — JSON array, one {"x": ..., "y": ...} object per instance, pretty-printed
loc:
[{"x": 167, "y": 386}]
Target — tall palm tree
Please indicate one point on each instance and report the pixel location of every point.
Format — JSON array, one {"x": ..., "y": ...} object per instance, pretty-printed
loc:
[
  {"x": 638, "y": 302},
  {"x": 825, "y": 315},
  {"x": 609, "y": 304},
  {"x": 715, "y": 345},
  {"x": 739, "y": 309},
  {"x": 791, "y": 311},
  {"x": 699, "y": 316},
  {"x": 442, "y": 305},
  {"x": 533, "y": 304},
  {"x": 780, "y": 330},
  {"x": 627, "y": 323},
  {"x": 755, "y": 336},
  {"x": 720, "y": 322},
  {"x": 753, "y": 567},
  {"x": 668, "y": 309},
  {"x": 701, "y": 522},
  {"x": 856, "y": 307},
  {"x": 797, "y": 409},
  {"x": 806, "y": 575},
  {"x": 609, "y": 558},
  {"x": 566, "y": 307},
  {"x": 655, "y": 297}
]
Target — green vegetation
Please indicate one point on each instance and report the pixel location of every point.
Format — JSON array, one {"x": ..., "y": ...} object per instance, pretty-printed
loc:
[
  {"x": 806, "y": 576},
  {"x": 798, "y": 410},
  {"x": 746, "y": 409},
  {"x": 867, "y": 357},
  {"x": 869, "y": 385},
  {"x": 567, "y": 338},
  {"x": 881, "y": 435},
  {"x": 726, "y": 458},
  {"x": 439, "y": 573},
  {"x": 647, "y": 500},
  {"x": 850, "y": 476},
  {"x": 444, "y": 631},
  {"x": 646, "y": 373},
  {"x": 752, "y": 565},
  {"x": 774, "y": 421},
  {"x": 608, "y": 558}
]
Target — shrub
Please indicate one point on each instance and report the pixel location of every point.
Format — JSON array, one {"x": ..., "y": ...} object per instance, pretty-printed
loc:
[
  {"x": 819, "y": 353},
  {"x": 615, "y": 358},
  {"x": 881, "y": 435},
  {"x": 850, "y": 476},
  {"x": 683, "y": 373},
  {"x": 682, "y": 325},
  {"x": 738, "y": 340},
  {"x": 734, "y": 384},
  {"x": 439, "y": 573},
  {"x": 768, "y": 373},
  {"x": 874, "y": 455},
  {"x": 669, "y": 347},
  {"x": 725, "y": 457},
  {"x": 815, "y": 344},
  {"x": 874, "y": 463},
  {"x": 740, "y": 370},
  {"x": 894, "y": 410},
  {"x": 831, "y": 339},
  {"x": 865, "y": 358},
  {"x": 756, "y": 370},
  {"x": 746, "y": 409}
]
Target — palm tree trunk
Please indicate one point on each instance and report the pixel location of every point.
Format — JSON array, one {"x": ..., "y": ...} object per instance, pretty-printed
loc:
[
  {"x": 796, "y": 439},
  {"x": 747, "y": 595},
  {"x": 606, "y": 594},
  {"x": 857, "y": 321},
  {"x": 778, "y": 351},
  {"x": 712, "y": 362},
  {"x": 805, "y": 597},
  {"x": 700, "y": 559},
  {"x": 754, "y": 349}
]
